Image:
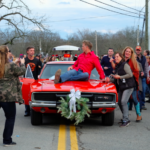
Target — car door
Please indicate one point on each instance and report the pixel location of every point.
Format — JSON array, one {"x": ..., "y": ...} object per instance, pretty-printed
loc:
[{"x": 26, "y": 84}]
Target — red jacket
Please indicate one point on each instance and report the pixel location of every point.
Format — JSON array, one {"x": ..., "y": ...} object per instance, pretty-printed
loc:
[
  {"x": 135, "y": 71},
  {"x": 87, "y": 62}
]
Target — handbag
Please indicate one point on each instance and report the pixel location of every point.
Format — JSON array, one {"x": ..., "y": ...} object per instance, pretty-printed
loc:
[{"x": 126, "y": 83}]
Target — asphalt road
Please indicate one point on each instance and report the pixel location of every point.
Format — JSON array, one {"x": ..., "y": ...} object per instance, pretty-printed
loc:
[{"x": 56, "y": 133}]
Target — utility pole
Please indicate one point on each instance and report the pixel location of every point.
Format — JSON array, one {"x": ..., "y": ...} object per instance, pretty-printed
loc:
[
  {"x": 146, "y": 26},
  {"x": 141, "y": 40},
  {"x": 40, "y": 46},
  {"x": 96, "y": 42}
]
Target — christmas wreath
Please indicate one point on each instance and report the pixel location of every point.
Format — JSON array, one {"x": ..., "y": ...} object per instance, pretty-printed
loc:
[{"x": 74, "y": 101}]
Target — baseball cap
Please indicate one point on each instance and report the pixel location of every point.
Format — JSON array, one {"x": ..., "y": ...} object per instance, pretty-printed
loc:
[
  {"x": 75, "y": 55},
  {"x": 138, "y": 47}
]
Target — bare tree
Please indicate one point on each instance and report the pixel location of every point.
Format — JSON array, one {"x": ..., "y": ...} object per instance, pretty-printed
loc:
[
  {"x": 18, "y": 16},
  {"x": 118, "y": 41}
]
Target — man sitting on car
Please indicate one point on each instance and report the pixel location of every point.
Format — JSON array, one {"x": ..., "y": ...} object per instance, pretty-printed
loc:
[{"x": 82, "y": 68}]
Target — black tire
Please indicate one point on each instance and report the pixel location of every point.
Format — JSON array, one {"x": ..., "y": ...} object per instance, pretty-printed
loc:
[
  {"x": 108, "y": 119},
  {"x": 36, "y": 118}
]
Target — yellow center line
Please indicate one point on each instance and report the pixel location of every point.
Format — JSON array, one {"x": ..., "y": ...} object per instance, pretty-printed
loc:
[
  {"x": 62, "y": 138},
  {"x": 73, "y": 138}
]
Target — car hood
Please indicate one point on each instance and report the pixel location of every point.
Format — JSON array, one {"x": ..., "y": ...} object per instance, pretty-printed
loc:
[{"x": 96, "y": 86}]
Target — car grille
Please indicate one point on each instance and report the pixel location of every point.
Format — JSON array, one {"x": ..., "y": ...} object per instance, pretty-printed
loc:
[
  {"x": 48, "y": 96},
  {"x": 103, "y": 98},
  {"x": 53, "y": 96}
]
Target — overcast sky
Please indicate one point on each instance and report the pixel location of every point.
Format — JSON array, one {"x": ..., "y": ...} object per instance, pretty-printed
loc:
[{"x": 57, "y": 11}]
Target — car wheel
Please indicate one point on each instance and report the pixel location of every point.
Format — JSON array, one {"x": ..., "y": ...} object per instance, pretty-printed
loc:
[
  {"x": 36, "y": 117},
  {"x": 108, "y": 119}
]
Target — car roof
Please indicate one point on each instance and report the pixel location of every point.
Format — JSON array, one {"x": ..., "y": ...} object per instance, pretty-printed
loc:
[
  {"x": 66, "y": 48},
  {"x": 60, "y": 62}
]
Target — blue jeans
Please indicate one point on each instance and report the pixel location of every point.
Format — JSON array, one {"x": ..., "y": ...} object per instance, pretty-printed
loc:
[
  {"x": 142, "y": 94},
  {"x": 147, "y": 89},
  {"x": 133, "y": 100},
  {"x": 136, "y": 102},
  {"x": 27, "y": 109},
  {"x": 73, "y": 75},
  {"x": 10, "y": 114},
  {"x": 134, "y": 96}
]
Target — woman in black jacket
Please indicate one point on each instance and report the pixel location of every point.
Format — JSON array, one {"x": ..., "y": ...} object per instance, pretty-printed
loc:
[{"x": 124, "y": 80}]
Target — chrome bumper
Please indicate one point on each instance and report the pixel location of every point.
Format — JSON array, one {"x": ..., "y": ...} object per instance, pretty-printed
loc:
[{"x": 92, "y": 105}]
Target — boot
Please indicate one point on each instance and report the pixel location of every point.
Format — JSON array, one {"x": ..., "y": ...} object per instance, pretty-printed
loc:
[{"x": 137, "y": 109}]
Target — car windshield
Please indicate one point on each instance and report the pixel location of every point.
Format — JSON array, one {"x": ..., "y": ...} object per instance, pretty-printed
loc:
[{"x": 50, "y": 69}]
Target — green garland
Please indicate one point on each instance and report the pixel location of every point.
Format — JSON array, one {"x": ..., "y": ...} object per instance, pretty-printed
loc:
[{"x": 82, "y": 109}]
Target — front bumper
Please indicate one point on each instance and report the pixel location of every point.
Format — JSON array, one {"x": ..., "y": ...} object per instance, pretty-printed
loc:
[{"x": 55, "y": 104}]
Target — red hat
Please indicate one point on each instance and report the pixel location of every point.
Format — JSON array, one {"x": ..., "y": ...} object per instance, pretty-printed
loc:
[
  {"x": 53, "y": 55},
  {"x": 138, "y": 47},
  {"x": 75, "y": 55},
  {"x": 56, "y": 55}
]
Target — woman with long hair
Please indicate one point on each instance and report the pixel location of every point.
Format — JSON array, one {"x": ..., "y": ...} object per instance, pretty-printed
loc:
[
  {"x": 124, "y": 79},
  {"x": 10, "y": 91},
  {"x": 130, "y": 58},
  {"x": 52, "y": 58}
]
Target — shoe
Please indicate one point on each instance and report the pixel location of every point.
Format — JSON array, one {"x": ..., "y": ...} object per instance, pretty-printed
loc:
[
  {"x": 57, "y": 76},
  {"x": 11, "y": 144},
  {"x": 144, "y": 108},
  {"x": 120, "y": 123},
  {"x": 148, "y": 101},
  {"x": 26, "y": 115},
  {"x": 125, "y": 124},
  {"x": 139, "y": 118}
]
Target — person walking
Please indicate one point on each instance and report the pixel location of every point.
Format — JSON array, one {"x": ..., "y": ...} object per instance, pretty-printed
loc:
[
  {"x": 82, "y": 68},
  {"x": 141, "y": 59},
  {"x": 35, "y": 68},
  {"x": 124, "y": 79},
  {"x": 130, "y": 58},
  {"x": 106, "y": 64},
  {"x": 10, "y": 91}
]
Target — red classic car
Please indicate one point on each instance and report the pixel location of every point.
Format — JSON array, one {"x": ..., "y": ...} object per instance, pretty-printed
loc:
[{"x": 43, "y": 95}]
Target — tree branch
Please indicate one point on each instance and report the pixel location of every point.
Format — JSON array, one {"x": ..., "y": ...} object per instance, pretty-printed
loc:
[
  {"x": 12, "y": 39},
  {"x": 11, "y": 23},
  {"x": 17, "y": 7},
  {"x": 14, "y": 8},
  {"x": 34, "y": 21}
]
